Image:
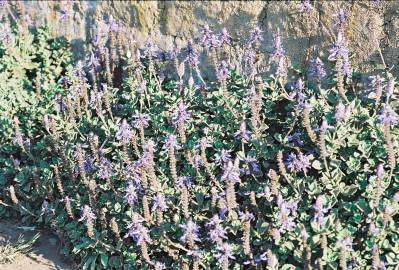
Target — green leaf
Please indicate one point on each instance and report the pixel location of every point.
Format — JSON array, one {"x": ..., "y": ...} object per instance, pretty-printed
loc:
[{"x": 104, "y": 260}]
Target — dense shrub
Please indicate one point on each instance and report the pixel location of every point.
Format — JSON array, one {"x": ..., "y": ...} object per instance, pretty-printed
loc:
[{"x": 138, "y": 170}]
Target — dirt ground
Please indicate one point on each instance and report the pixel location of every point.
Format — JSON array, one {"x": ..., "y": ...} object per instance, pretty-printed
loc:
[{"x": 44, "y": 254}]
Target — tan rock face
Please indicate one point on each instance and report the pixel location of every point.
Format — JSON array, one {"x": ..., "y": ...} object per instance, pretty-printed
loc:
[{"x": 372, "y": 24}]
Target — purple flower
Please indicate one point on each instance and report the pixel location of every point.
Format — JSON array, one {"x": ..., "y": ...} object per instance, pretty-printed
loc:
[
  {"x": 171, "y": 142},
  {"x": 124, "y": 132},
  {"x": 192, "y": 55},
  {"x": 341, "y": 20},
  {"x": 388, "y": 116},
  {"x": 380, "y": 171},
  {"x": 340, "y": 51},
  {"x": 390, "y": 87},
  {"x": 298, "y": 94},
  {"x": 184, "y": 182},
  {"x": 87, "y": 214},
  {"x": 255, "y": 37},
  {"x": 342, "y": 113},
  {"x": 138, "y": 231},
  {"x": 222, "y": 71},
  {"x": 243, "y": 133},
  {"x": 141, "y": 120},
  {"x": 231, "y": 173},
  {"x": 318, "y": 206},
  {"x": 222, "y": 158},
  {"x": 285, "y": 220},
  {"x": 297, "y": 163},
  {"x": 206, "y": 34},
  {"x": 296, "y": 138},
  {"x": 249, "y": 55},
  {"x": 149, "y": 48},
  {"x": 131, "y": 193},
  {"x": 180, "y": 115},
  {"x": 224, "y": 38},
  {"x": 317, "y": 70},
  {"x": 251, "y": 166},
  {"x": 105, "y": 168},
  {"x": 60, "y": 104},
  {"x": 6, "y": 34},
  {"x": 190, "y": 231},
  {"x": 112, "y": 24},
  {"x": 246, "y": 216},
  {"x": 93, "y": 61},
  {"x": 159, "y": 202},
  {"x": 305, "y": 6},
  {"x": 216, "y": 231},
  {"x": 225, "y": 252},
  {"x": 278, "y": 51}
]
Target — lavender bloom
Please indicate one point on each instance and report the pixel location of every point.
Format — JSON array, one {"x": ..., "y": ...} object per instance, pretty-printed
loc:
[
  {"x": 180, "y": 115},
  {"x": 296, "y": 138},
  {"x": 243, "y": 133},
  {"x": 124, "y": 132},
  {"x": 216, "y": 231},
  {"x": 87, "y": 214},
  {"x": 112, "y": 24},
  {"x": 249, "y": 56},
  {"x": 231, "y": 173},
  {"x": 159, "y": 203},
  {"x": 318, "y": 206},
  {"x": 93, "y": 61},
  {"x": 224, "y": 38},
  {"x": 341, "y": 20},
  {"x": 171, "y": 142},
  {"x": 149, "y": 48},
  {"x": 246, "y": 216},
  {"x": 342, "y": 113},
  {"x": 192, "y": 55},
  {"x": 298, "y": 94},
  {"x": 222, "y": 158},
  {"x": 191, "y": 231},
  {"x": 305, "y": 6},
  {"x": 340, "y": 51},
  {"x": 3, "y": 3},
  {"x": 222, "y": 71},
  {"x": 286, "y": 221},
  {"x": 138, "y": 231},
  {"x": 213, "y": 42},
  {"x": 252, "y": 166},
  {"x": 278, "y": 51},
  {"x": 255, "y": 37},
  {"x": 105, "y": 169},
  {"x": 225, "y": 252},
  {"x": 390, "y": 87},
  {"x": 184, "y": 182},
  {"x": 380, "y": 171},
  {"x": 6, "y": 35},
  {"x": 206, "y": 35},
  {"x": 317, "y": 70},
  {"x": 297, "y": 163},
  {"x": 388, "y": 116},
  {"x": 131, "y": 195},
  {"x": 141, "y": 120}
]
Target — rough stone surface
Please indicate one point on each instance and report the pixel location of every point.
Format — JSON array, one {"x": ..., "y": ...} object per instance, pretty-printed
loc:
[{"x": 373, "y": 25}]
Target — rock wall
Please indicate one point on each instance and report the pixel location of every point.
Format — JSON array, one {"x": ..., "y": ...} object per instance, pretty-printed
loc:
[{"x": 373, "y": 25}]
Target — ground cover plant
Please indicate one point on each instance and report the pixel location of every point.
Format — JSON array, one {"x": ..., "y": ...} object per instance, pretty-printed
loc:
[{"x": 138, "y": 168}]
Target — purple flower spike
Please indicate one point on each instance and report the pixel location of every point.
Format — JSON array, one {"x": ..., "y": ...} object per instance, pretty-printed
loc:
[
  {"x": 171, "y": 142},
  {"x": 222, "y": 71},
  {"x": 124, "y": 132},
  {"x": 341, "y": 20},
  {"x": 388, "y": 116},
  {"x": 159, "y": 202},
  {"x": 297, "y": 163},
  {"x": 243, "y": 133},
  {"x": 224, "y": 38},
  {"x": 141, "y": 120},
  {"x": 180, "y": 115},
  {"x": 185, "y": 181},
  {"x": 305, "y": 6},
  {"x": 87, "y": 214},
  {"x": 380, "y": 171},
  {"x": 317, "y": 70},
  {"x": 231, "y": 173},
  {"x": 131, "y": 194},
  {"x": 320, "y": 210},
  {"x": 216, "y": 231},
  {"x": 255, "y": 37},
  {"x": 225, "y": 252},
  {"x": 191, "y": 230}
]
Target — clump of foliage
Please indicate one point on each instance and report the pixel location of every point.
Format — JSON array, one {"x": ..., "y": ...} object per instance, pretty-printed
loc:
[{"x": 137, "y": 170}]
